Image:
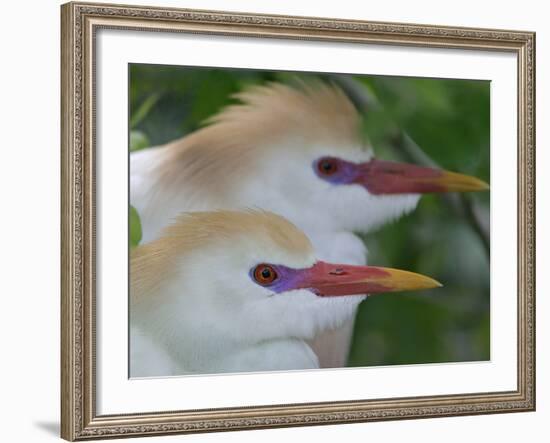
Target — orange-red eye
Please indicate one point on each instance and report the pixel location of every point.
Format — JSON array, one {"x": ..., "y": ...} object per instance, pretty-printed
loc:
[
  {"x": 265, "y": 274},
  {"x": 327, "y": 166}
]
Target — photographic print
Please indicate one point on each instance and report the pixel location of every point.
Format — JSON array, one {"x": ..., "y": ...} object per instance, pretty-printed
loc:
[
  {"x": 290, "y": 221},
  {"x": 273, "y": 221}
]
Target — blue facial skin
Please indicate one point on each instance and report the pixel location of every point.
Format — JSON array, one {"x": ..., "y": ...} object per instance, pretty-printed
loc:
[
  {"x": 287, "y": 278},
  {"x": 346, "y": 172}
]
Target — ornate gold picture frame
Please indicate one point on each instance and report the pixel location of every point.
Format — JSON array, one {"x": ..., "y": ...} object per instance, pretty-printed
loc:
[{"x": 80, "y": 23}]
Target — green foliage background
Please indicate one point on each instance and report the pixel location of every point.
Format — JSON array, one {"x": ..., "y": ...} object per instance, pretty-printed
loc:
[{"x": 449, "y": 120}]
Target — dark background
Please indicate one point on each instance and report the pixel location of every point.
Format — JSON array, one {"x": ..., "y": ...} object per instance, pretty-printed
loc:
[{"x": 427, "y": 121}]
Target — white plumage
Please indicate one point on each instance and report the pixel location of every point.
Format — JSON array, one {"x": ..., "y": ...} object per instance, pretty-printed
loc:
[{"x": 197, "y": 306}]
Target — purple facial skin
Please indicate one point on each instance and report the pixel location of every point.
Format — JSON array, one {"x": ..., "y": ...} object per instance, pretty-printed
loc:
[
  {"x": 287, "y": 278},
  {"x": 344, "y": 173}
]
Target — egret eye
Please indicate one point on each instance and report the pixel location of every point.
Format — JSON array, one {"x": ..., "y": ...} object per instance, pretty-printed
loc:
[
  {"x": 265, "y": 274},
  {"x": 327, "y": 166}
]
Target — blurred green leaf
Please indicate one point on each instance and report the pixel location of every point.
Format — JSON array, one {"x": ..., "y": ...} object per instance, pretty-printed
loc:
[
  {"x": 144, "y": 109},
  {"x": 138, "y": 140},
  {"x": 135, "y": 227}
]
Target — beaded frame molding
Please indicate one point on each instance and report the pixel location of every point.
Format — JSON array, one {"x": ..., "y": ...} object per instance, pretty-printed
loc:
[{"x": 79, "y": 22}]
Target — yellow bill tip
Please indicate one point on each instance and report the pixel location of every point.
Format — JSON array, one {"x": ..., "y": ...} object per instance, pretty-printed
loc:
[
  {"x": 454, "y": 182},
  {"x": 399, "y": 280}
]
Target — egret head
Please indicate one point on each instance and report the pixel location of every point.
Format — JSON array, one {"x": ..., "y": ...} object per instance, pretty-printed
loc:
[
  {"x": 248, "y": 276},
  {"x": 299, "y": 151}
]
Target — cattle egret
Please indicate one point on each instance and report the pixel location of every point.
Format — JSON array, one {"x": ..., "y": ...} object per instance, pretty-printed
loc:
[
  {"x": 298, "y": 152},
  {"x": 234, "y": 291}
]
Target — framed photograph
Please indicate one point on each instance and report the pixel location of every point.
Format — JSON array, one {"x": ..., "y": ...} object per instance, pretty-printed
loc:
[{"x": 277, "y": 221}]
